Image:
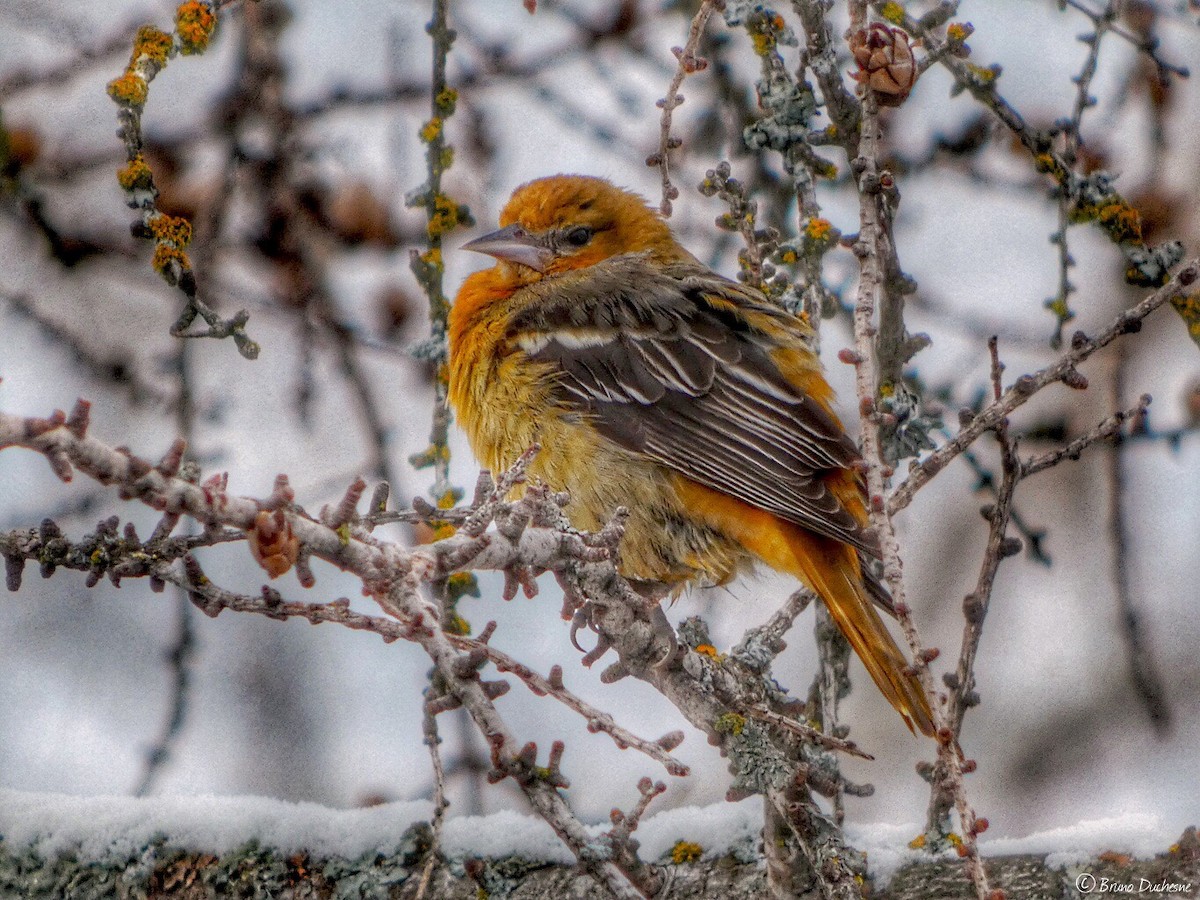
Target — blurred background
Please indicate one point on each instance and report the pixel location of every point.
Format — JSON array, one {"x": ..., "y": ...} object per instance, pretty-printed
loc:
[{"x": 291, "y": 145}]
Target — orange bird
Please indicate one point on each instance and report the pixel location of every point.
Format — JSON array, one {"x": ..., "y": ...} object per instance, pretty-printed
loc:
[{"x": 653, "y": 383}]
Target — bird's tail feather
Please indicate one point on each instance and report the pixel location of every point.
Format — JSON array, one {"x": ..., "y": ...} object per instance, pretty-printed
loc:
[{"x": 832, "y": 570}]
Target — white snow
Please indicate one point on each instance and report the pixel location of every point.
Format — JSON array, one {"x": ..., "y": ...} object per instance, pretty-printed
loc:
[{"x": 95, "y": 828}]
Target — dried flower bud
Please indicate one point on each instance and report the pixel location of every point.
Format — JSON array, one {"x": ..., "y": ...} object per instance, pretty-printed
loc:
[
  {"x": 885, "y": 62},
  {"x": 273, "y": 544}
]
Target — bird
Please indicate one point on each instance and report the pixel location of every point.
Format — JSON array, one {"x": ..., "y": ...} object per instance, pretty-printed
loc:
[{"x": 653, "y": 383}]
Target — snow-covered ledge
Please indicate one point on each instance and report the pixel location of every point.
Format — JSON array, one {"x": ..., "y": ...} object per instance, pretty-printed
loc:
[{"x": 54, "y": 845}]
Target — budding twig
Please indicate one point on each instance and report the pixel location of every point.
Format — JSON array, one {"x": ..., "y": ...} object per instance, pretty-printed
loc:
[{"x": 689, "y": 63}]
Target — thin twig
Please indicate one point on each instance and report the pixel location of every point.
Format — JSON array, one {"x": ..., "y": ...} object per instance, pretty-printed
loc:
[
  {"x": 689, "y": 63},
  {"x": 1105, "y": 430},
  {"x": 947, "y": 791},
  {"x": 1060, "y": 305},
  {"x": 432, "y": 741},
  {"x": 1026, "y": 386},
  {"x": 1147, "y": 682},
  {"x": 1148, "y": 46}
]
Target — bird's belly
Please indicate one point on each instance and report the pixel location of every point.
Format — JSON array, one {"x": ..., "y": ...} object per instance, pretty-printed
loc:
[{"x": 664, "y": 540}]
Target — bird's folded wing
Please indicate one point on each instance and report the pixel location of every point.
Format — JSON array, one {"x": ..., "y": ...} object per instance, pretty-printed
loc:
[{"x": 665, "y": 362}]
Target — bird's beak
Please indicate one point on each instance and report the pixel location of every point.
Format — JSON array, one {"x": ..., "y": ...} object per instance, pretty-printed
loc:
[{"x": 514, "y": 244}]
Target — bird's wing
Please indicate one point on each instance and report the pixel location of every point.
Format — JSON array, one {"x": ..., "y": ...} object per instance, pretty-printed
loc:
[{"x": 665, "y": 362}]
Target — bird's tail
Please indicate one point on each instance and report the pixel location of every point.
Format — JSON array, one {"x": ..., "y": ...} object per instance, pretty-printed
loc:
[{"x": 832, "y": 569}]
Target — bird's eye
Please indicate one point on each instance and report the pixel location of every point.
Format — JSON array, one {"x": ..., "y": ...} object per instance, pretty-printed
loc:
[{"x": 578, "y": 236}]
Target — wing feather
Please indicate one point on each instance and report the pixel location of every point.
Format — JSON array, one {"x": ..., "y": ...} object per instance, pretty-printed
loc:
[{"x": 662, "y": 364}]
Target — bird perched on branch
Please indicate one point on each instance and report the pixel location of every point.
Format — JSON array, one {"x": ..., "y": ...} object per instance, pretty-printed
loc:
[{"x": 653, "y": 383}]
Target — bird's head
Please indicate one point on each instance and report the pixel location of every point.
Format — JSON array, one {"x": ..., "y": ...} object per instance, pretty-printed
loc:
[{"x": 568, "y": 222}]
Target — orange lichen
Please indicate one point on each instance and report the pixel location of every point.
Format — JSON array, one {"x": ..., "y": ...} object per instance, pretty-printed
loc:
[
  {"x": 136, "y": 175},
  {"x": 152, "y": 43},
  {"x": 171, "y": 229},
  {"x": 817, "y": 229},
  {"x": 129, "y": 89},
  {"x": 707, "y": 650},
  {"x": 195, "y": 24},
  {"x": 1121, "y": 221},
  {"x": 167, "y": 257}
]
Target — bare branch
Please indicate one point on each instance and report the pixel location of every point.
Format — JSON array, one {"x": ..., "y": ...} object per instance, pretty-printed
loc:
[
  {"x": 1082, "y": 347},
  {"x": 689, "y": 63}
]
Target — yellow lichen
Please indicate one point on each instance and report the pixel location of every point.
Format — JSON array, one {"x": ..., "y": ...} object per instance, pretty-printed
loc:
[
  {"x": 764, "y": 32},
  {"x": 1046, "y": 162},
  {"x": 448, "y": 499},
  {"x": 431, "y": 131},
  {"x": 763, "y": 41},
  {"x": 917, "y": 843},
  {"x": 982, "y": 75},
  {"x": 823, "y": 168},
  {"x": 1188, "y": 308},
  {"x": 461, "y": 581},
  {"x": 958, "y": 31},
  {"x": 444, "y": 218},
  {"x": 456, "y": 624},
  {"x": 446, "y": 100},
  {"x": 195, "y": 24},
  {"x": 130, "y": 89},
  {"x": 729, "y": 723},
  {"x": 893, "y": 12},
  {"x": 686, "y": 852},
  {"x": 443, "y": 531}
]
